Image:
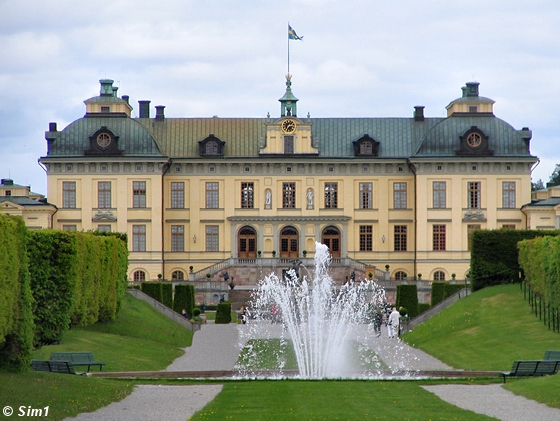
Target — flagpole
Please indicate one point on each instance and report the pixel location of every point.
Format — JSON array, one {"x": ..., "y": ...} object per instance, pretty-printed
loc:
[{"x": 288, "y": 47}]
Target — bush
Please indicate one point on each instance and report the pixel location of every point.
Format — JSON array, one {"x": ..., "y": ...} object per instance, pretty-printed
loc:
[
  {"x": 196, "y": 312},
  {"x": 153, "y": 289},
  {"x": 223, "y": 313},
  {"x": 494, "y": 255},
  {"x": 422, "y": 307},
  {"x": 167, "y": 295},
  {"x": 438, "y": 290},
  {"x": 407, "y": 297}
]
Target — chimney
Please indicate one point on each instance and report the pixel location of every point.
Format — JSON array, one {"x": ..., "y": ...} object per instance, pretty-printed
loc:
[
  {"x": 52, "y": 127},
  {"x": 144, "y": 109},
  {"x": 126, "y": 98},
  {"x": 472, "y": 89},
  {"x": 419, "y": 113},
  {"x": 106, "y": 87},
  {"x": 160, "y": 116}
]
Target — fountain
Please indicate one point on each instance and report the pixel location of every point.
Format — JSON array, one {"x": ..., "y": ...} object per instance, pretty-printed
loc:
[{"x": 321, "y": 320}]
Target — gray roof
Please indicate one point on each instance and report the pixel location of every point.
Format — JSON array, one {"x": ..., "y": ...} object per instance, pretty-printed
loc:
[{"x": 23, "y": 201}]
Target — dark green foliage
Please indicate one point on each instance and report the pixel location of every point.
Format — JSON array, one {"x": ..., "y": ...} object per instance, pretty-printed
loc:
[
  {"x": 53, "y": 266},
  {"x": 16, "y": 301},
  {"x": 77, "y": 278},
  {"x": 438, "y": 289},
  {"x": 196, "y": 311},
  {"x": 223, "y": 313},
  {"x": 422, "y": 307},
  {"x": 167, "y": 295},
  {"x": 407, "y": 297},
  {"x": 451, "y": 289},
  {"x": 494, "y": 255},
  {"x": 190, "y": 299},
  {"x": 180, "y": 300},
  {"x": 153, "y": 289}
]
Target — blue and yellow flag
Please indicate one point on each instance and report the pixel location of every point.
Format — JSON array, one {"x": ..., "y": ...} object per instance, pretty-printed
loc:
[{"x": 292, "y": 34}]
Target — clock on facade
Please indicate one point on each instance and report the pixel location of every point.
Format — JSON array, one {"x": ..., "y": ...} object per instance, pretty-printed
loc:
[
  {"x": 288, "y": 126},
  {"x": 474, "y": 140},
  {"x": 104, "y": 140}
]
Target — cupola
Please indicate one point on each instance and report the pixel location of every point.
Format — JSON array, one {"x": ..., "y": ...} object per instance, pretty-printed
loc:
[{"x": 470, "y": 102}]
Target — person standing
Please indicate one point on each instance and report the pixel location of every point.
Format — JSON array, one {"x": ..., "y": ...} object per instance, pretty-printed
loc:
[
  {"x": 377, "y": 322},
  {"x": 393, "y": 323}
]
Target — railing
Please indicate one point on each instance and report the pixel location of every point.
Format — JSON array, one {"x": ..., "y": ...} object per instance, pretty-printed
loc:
[{"x": 279, "y": 262}]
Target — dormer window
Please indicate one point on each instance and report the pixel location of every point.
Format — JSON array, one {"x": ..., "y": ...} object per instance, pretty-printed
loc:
[
  {"x": 211, "y": 146},
  {"x": 366, "y": 146},
  {"x": 103, "y": 142},
  {"x": 474, "y": 142}
]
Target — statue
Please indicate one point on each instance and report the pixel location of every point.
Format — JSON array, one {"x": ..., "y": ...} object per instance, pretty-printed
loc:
[{"x": 309, "y": 199}]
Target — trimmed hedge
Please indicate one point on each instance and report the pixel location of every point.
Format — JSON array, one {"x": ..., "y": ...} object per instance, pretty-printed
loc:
[
  {"x": 184, "y": 299},
  {"x": 16, "y": 301},
  {"x": 540, "y": 260},
  {"x": 153, "y": 289},
  {"x": 223, "y": 313},
  {"x": 407, "y": 297},
  {"x": 438, "y": 289},
  {"x": 82, "y": 277},
  {"x": 167, "y": 295},
  {"x": 422, "y": 307},
  {"x": 494, "y": 255}
]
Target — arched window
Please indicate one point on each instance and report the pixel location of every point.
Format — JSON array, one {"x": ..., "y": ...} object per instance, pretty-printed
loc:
[
  {"x": 139, "y": 276},
  {"x": 178, "y": 275},
  {"x": 439, "y": 275},
  {"x": 400, "y": 275}
]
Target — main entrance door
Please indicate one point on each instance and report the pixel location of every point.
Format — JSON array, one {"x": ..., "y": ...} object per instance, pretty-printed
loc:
[
  {"x": 289, "y": 243},
  {"x": 247, "y": 243},
  {"x": 331, "y": 238}
]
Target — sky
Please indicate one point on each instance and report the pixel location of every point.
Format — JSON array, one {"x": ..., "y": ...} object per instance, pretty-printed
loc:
[{"x": 371, "y": 58}]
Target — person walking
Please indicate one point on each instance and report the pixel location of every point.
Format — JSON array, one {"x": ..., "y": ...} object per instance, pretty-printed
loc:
[{"x": 393, "y": 323}]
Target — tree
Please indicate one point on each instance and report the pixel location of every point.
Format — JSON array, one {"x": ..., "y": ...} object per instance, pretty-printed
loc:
[
  {"x": 555, "y": 176},
  {"x": 537, "y": 185}
]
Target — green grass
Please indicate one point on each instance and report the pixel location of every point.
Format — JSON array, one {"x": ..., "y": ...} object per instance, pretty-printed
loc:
[
  {"x": 140, "y": 339},
  {"x": 330, "y": 400},
  {"x": 487, "y": 330}
]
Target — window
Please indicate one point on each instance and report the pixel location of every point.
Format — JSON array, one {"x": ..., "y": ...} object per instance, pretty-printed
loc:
[
  {"x": 508, "y": 226},
  {"x": 474, "y": 195},
  {"x": 211, "y": 238},
  {"x": 69, "y": 194},
  {"x": 331, "y": 195},
  {"x": 178, "y": 275},
  {"x": 399, "y": 195},
  {"x": 104, "y": 228},
  {"x": 103, "y": 194},
  {"x": 439, "y": 194},
  {"x": 247, "y": 195},
  {"x": 400, "y": 237},
  {"x": 105, "y": 109},
  {"x": 288, "y": 144},
  {"x": 212, "y": 190},
  {"x": 508, "y": 194},
  {"x": 8, "y": 193},
  {"x": 139, "y": 276},
  {"x": 473, "y": 109},
  {"x": 177, "y": 238},
  {"x": 212, "y": 148},
  {"x": 178, "y": 195},
  {"x": 366, "y": 238},
  {"x": 439, "y": 275},
  {"x": 439, "y": 237},
  {"x": 366, "y": 148},
  {"x": 139, "y": 194},
  {"x": 365, "y": 196},
  {"x": 470, "y": 230},
  {"x": 69, "y": 228},
  {"x": 139, "y": 238},
  {"x": 400, "y": 275},
  {"x": 289, "y": 195}
]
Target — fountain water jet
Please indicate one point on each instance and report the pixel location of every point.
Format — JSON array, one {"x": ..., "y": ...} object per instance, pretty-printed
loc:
[{"x": 316, "y": 315}]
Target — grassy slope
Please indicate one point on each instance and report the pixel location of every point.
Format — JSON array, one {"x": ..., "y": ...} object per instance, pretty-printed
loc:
[{"x": 487, "y": 330}]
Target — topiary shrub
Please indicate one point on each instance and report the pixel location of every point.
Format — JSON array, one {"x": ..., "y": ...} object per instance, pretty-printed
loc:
[
  {"x": 407, "y": 297},
  {"x": 153, "y": 289},
  {"x": 438, "y": 289},
  {"x": 223, "y": 313},
  {"x": 196, "y": 312},
  {"x": 422, "y": 307},
  {"x": 167, "y": 295}
]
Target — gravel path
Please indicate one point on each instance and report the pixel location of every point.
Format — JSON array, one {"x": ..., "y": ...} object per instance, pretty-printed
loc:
[{"x": 210, "y": 352}]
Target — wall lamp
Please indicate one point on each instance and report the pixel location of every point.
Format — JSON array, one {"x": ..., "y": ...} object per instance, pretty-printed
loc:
[
  {"x": 194, "y": 238},
  {"x": 383, "y": 238}
]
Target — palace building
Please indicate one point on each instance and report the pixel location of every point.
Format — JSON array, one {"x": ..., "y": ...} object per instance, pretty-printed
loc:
[{"x": 243, "y": 195}]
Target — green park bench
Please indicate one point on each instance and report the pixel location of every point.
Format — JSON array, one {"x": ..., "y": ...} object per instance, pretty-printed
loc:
[
  {"x": 78, "y": 359},
  {"x": 54, "y": 366},
  {"x": 552, "y": 355},
  {"x": 532, "y": 368}
]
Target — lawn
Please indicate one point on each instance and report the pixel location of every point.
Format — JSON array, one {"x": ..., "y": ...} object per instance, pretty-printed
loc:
[{"x": 487, "y": 330}]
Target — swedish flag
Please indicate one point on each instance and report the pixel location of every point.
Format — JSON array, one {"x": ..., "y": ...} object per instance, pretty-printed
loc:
[{"x": 292, "y": 34}]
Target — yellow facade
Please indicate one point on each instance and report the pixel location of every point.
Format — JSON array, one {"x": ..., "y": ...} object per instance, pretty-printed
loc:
[{"x": 212, "y": 193}]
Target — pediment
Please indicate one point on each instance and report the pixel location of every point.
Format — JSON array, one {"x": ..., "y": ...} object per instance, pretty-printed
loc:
[{"x": 104, "y": 216}]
